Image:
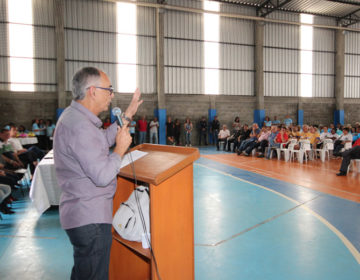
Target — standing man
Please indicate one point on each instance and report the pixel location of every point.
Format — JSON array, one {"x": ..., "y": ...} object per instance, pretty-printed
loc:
[
  {"x": 86, "y": 170},
  {"x": 154, "y": 126},
  {"x": 215, "y": 128},
  {"x": 203, "y": 130},
  {"x": 142, "y": 127}
]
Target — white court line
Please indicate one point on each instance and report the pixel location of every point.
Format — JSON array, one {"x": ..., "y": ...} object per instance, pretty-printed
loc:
[{"x": 346, "y": 242}]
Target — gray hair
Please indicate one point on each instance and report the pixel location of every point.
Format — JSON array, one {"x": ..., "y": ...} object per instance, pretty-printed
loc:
[{"x": 84, "y": 78}]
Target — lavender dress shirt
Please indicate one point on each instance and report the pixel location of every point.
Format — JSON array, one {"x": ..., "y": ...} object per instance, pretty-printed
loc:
[{"x": 85, "y": 170}]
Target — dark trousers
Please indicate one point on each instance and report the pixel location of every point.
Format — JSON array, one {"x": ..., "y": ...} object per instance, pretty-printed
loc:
[
  {"x": 337, "y": 147},
  {"x": 37, "y": 151},
  {"x": 202, "y": 134},
  {"x": 91, "y": 245},
  {"x": 348, "y": 155},
  {"x": 221, "y": 140}
]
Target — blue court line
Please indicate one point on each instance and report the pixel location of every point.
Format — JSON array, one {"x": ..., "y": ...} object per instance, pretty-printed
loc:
[{"x": 333, "y": 209}]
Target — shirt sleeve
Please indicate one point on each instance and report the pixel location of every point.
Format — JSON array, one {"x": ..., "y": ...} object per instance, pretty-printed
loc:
[
  {"x": 110, "y": 134},
  {"x": 93, "y": 156}
]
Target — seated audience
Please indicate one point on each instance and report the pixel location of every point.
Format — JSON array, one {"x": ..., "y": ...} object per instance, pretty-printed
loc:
[
  {"x": 348, "y": 155},
  {"x": 5, "y": 192},
  {"x": 346, "y": 137},
  {"x": 305, "y": 134},
  {"x": 288, "y": 121},
  {"x": 294, "y": 132},
  {"x": 223, "y": 135},
  {"x": 333, "y": 135},
  {"x": 16, "y": 160},
  {"x": 276, "y": 139},
  {"x": 314, "y": 137},
  {"x": 261, "y": 141},
  {"x": 267, "y": 122},
  {"x": 243, "y": 135},
  {"x": 253, "y": 137},
  {"x": 271, "y": 139},
  {"x": 19, "y": 149},
  {"x": 275, "y": 121}
]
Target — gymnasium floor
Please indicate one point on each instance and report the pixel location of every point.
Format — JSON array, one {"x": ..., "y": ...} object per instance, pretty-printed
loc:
[{"x": 254, "y": 219}]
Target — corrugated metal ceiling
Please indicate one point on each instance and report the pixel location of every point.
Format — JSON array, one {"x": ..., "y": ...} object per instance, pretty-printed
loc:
[{"x": 349, "y": 9}]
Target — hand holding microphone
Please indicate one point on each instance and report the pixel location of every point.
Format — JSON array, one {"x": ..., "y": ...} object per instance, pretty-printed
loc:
[
  {"x": 123, "y": 138},
  {"x": 116, "y": 111}
]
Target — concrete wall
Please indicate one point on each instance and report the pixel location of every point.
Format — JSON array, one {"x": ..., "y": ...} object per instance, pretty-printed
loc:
[{"x": 21, "y": 108}]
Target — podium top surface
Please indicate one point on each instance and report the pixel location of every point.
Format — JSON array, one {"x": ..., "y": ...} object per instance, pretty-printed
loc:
[{"x": 160, "y": 163}]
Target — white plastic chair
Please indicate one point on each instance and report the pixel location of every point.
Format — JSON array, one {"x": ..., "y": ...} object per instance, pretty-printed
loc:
[
  {"x": 355, "y": 162},
  {"x": 305, "y": 148},
  {"x": 328, "y": 145},
  {"x": 285, "y": 150},
  {"x": 221, "y": 145}
]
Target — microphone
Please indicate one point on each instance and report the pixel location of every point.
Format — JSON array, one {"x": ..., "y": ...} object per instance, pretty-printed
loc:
[{"x": 116, "y": 111}]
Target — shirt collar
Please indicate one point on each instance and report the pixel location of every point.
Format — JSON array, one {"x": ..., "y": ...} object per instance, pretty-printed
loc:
[{"x": 94, "y": 119}]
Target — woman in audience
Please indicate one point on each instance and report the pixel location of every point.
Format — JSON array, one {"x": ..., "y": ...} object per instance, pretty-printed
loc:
[
  {"x": 267, "y": 122},
  {"x": 314, "y": 137},
  {"x": 188, "y": 126},
  {"x": 236, "y": 124}
]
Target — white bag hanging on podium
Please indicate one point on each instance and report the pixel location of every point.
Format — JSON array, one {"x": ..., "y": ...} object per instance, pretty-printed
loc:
[{"x": 127, "y": 221}]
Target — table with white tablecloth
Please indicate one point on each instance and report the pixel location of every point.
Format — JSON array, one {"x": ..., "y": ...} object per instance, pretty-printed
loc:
[
  {"x": 44, "y": 190},
  {"x": 28, "y": 140}
]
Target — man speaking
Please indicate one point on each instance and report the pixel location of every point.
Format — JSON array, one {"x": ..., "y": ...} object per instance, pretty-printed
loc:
[{"x": 86, "y": 170}]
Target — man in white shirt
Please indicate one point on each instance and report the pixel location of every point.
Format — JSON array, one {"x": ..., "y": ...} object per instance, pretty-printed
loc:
[
  {"x": 346, "y": 137},
  {"x": 19, "y": 149},
  {"x": 154, "y": 124},
  {"x": 224, "y": 133}
]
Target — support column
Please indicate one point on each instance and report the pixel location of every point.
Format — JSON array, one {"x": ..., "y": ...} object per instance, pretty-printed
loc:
[
  {"x": 259, "y": 112},
  {"x": 211, "y": 114},
  {"x": 339, "y": 76},
  {"x": 160, "y": 112},
  {"x": 300, "y": 113},
  {"x": 161, "y": 115},
  {"x": 59, "y": 14}
]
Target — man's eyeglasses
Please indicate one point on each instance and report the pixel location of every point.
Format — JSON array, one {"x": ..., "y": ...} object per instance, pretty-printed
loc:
[{"x": 109, "y": 89}]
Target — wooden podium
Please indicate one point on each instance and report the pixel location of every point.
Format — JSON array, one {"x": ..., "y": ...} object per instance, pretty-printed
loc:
[{"x": 168, "y": 170}]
